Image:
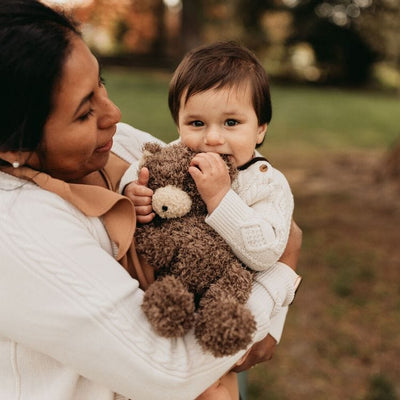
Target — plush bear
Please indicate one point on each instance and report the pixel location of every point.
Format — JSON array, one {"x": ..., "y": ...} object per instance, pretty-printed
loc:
[{"x": 199, "y": 282}]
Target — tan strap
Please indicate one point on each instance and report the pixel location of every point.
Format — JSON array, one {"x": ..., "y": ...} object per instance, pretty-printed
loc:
[{"x": 116, "y": 211}]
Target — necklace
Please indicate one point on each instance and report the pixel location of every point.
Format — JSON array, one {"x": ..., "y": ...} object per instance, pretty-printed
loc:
[{"x": 12, "y": 185}]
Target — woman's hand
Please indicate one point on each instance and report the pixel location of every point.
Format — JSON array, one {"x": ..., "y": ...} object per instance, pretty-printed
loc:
[
  {"x": 141, "y": 197},
  {"x": 291, "y": 254},
  {"x": 259, "y": 352}
]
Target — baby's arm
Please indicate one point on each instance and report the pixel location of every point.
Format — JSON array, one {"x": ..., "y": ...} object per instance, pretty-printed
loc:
[
  {"x": 256, "y": 220},
  {"x": 141, "y": 197}
]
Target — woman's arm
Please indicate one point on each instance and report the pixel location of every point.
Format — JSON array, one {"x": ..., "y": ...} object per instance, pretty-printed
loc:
[
  {"x": 264, "y": 349},
  {"x": 66, "y": 297},
  {"x": 128, "y": 144},
  {"x": 129, "y": 141}
]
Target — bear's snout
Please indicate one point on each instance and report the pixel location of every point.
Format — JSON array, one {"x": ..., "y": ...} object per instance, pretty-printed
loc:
[{"x": 171, "y": 202}]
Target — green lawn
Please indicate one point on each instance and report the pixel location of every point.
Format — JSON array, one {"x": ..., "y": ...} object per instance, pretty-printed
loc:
[{"x": 325, "y": 118}]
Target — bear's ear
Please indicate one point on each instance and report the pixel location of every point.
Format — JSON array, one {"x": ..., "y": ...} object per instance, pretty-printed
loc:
[{"x": 151, "y": 147}]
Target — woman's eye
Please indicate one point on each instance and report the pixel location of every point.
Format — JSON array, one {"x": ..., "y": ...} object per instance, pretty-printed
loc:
[
  {"x": 231, "y": 122},
  {"x": 197, "y": 123},
  {"x": 86, "y": 116}
]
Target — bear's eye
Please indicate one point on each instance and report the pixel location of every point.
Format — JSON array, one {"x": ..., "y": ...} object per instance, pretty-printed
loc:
[{"x": 164, "y": 208}]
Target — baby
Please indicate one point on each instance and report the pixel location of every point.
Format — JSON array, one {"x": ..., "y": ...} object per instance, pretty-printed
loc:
[{"x": 220, "y": 101}]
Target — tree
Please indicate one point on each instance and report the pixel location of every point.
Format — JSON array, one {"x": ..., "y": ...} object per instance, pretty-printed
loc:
[
  {"x": 192, "y": 17},
  {"x": 249, "y": 14},
  {"x": 123, "y": 26},
  {"x": 379, "y": 26},
  {"x": 328, "y": 25}
]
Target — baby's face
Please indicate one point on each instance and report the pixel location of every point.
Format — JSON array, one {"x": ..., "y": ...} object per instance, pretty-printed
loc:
[{"x": 222, "y": 121}]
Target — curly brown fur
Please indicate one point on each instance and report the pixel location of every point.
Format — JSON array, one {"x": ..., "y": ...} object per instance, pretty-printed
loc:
[
  {"x": 199, "y": 280},
  {"x": 223, "y": 325},
  {"x": 160, "y": 304}
]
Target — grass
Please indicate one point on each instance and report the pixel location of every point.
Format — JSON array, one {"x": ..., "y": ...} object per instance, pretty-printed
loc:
[
  {"x": 351, "y": 271},
  {"x": 381, "y": 389},
  {"x": 309, "y": 117},
  {"x": 335, "y": 118}
]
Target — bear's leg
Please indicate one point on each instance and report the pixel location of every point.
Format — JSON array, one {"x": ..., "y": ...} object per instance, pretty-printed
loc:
[
  {"x": 169, "y": 307},
  {"x": 223, "y": 326},
  {"x": 237, "y": 282}
]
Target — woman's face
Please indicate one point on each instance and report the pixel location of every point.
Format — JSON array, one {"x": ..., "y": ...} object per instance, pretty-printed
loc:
[{"x": 78, "y": 134}]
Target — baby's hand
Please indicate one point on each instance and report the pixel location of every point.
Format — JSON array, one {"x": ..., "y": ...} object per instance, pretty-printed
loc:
[
  {"x": 212, "y": 179},
  {"x": 141, "y": 197}
]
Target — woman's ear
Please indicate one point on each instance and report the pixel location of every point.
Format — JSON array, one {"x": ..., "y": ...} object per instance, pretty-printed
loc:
[
  {"x": 15, "y": 158},
  {"x": 261, "y": 131},
  {"x": 20, "y": 158}
]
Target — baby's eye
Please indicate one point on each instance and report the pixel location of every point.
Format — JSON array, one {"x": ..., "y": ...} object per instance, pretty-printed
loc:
[
  {"x": 197, "y": 123},
  {"x": 231, "y": 122}
]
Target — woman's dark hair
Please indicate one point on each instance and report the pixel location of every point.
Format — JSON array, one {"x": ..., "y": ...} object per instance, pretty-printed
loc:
[
  {"x": 34, "y": 42},
  {"x": 220, "y": 65}
]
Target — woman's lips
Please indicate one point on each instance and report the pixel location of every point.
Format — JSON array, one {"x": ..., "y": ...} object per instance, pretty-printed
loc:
[{"x": 106, "y": 147}]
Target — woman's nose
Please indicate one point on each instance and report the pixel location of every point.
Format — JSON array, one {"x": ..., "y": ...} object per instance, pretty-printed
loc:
[
  {"x": 111, "y": 114},
  {"x": 214, "y": 137}
]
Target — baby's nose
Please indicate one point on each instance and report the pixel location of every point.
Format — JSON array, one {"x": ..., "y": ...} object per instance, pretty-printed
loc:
[{"x": 214, "y": 137}]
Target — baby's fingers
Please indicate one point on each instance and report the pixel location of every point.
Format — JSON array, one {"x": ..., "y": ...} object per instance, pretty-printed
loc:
[
  {"x": 135, "y": 190},
  {"x": 144, "y": 219},
  {"x": 143, "y": 178}
]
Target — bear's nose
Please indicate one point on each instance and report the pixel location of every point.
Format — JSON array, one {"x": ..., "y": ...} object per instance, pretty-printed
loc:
[{"x": 164, "y": 208}]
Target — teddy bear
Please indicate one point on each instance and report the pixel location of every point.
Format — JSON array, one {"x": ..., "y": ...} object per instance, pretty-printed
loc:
[{"x": 199, "y": 282}]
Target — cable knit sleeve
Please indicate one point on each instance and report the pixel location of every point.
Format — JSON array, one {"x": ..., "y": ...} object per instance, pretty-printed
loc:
[
  {"x": 255, "y": 216},
  {"x": 277, "y": 324},
  {"x": 63, "y": 295}
]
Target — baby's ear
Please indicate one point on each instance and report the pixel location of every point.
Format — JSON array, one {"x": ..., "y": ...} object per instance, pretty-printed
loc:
[{"x": 151, "y": 147}]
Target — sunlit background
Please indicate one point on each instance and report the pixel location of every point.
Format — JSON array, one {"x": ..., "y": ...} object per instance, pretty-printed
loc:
[{"x": 352, "y": 42}]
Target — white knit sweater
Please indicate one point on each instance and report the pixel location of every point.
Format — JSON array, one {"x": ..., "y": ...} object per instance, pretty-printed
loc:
[{"x": 71, "y": 326}]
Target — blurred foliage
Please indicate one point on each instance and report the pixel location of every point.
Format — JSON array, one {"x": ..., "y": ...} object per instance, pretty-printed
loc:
[
  {"x": 320, "y": 41},
  {"x": 379, "y": 25}
]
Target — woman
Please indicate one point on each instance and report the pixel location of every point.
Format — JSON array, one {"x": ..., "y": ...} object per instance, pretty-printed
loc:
[{"x": 71, "y": 325}]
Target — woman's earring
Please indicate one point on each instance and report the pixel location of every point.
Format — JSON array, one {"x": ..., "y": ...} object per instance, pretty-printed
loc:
[{"x": 15, "y": 164}]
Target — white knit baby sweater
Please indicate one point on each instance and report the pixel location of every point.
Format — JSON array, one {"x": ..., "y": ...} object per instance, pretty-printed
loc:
[{"x": 255, "y": 216}]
